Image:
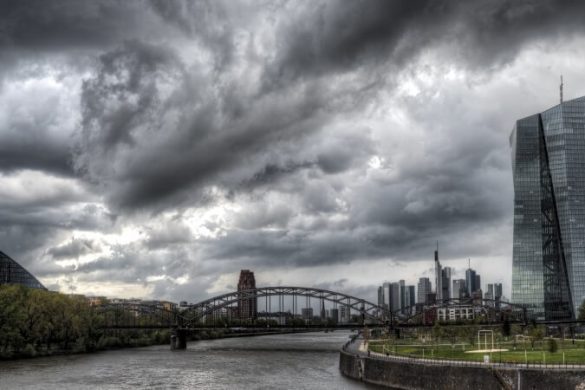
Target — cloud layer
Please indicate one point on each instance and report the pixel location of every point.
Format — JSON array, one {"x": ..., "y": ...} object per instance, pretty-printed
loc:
[{"x": 156, "y": 148}]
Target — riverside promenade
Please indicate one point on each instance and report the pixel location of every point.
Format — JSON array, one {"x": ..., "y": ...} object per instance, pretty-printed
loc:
[{"x": 400, "y": 372}]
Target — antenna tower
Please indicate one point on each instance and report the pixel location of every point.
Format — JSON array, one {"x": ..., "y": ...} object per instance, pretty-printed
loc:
[{"x": 561, "y": 89}]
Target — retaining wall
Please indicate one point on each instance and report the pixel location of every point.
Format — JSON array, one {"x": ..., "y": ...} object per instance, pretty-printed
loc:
[{"x": 410, "y": 375}]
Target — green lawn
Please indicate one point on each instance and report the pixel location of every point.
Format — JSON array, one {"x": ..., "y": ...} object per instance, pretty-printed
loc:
[{"x": 573, "y": 353}]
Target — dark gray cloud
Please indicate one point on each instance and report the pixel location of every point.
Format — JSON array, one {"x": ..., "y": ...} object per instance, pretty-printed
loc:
[
  {"x": 70, "y": 24},
  {"x": 338, "y": 36},
  {"x": 199, "y": 137},
  {"x": 73, "y": 249}
]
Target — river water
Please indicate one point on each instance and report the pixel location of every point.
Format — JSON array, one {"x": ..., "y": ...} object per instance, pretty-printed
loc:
[{"x": 294, "y": 361}]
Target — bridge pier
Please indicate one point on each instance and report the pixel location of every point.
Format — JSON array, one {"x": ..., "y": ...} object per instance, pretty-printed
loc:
[{"x": 178, "y": 339}]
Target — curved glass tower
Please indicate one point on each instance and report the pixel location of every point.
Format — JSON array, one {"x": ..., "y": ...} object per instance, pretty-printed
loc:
[
  {"x": 548, "y": 161},
  {"x": 13, "y": 273}
]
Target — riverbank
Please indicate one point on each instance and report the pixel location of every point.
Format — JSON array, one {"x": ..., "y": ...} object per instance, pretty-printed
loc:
[
  {"x": 427, "y": 374},
  {"x": 122, "y": 341},
  {"x": 105, "y": 343}
]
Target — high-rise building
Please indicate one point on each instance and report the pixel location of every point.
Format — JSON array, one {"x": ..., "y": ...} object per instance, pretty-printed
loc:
[
  {"x": 394, "y": 303},
  {"x": 409, "y": 300},
  {"x": 402, "y": 287},
  {"x": 381, "y": 296},
  {"x": 248, "y": 307},
  {"x": 334, "y": 313},
  {"x": 470, "y": 281},
  {"x": 477, "y": 283},
  {"x": 438, "y": 276},
  {"x": 548, "y": 160},
  {"x": 387, "y": 301},
  {"x": 446, "y": 283},
  {"x": 489, "y": 295},
  {"x": 497, "y": 290},
  {"x": 13, "y": 273},
  {"x": 424, "y": 287},
  {"x": 459, "y": 289},
  {"x": 344, "y": 314}
]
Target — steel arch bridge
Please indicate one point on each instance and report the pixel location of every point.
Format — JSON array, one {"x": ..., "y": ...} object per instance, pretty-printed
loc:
[
  {"x": 126, "y": 315},
  {"x": 130, "y": 315},
  {"x": 194, "y": 313}
]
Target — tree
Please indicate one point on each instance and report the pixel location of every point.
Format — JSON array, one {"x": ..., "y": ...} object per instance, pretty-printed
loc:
[
  {"x": 506, "y": 328},
  {"x": 536, "y": 334},
  {"x": 552, "y": 345}
]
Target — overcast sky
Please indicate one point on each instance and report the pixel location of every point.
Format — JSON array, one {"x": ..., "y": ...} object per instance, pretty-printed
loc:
[{"x": 155, "y": 148}]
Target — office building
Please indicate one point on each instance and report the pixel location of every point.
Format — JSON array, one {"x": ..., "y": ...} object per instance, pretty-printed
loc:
[
  {"x": 459, "y": 289},
  {"x": 334, "y": 315},
  {"x": 13, "y": 273},
  {"x": 386, "y": 287},
  {"x": 446, "y": 284},
  {"x": 438, "y": 276},
  {"x": 394, "y": 297},
  {"x": 424, "y": 287},
  {"x": 470, "y": 281},
  {"x": 477, "y": 283},
  {"x": 442, "y": 280},
  {"x": 344, "y": 314},
  {"x": 402, "y": 287},
  {"x": 409, "y": 300},
  {"x": 455, "y": 313},
  {"x": 248, "y": 308},
  {"x": 548, "y": 162},
  {"x": 498, "y": 290},
  {"x": 381, "y": 296}
]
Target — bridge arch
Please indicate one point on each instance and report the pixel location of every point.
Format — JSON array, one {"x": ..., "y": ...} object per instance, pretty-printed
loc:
[{"x": 197, "y": 311}]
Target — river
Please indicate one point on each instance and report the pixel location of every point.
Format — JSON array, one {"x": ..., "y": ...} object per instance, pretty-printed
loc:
[{"x": 293, "y": 361}]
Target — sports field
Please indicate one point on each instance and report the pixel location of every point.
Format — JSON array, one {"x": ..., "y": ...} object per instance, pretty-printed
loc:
[{"x": 567, "y": 351}]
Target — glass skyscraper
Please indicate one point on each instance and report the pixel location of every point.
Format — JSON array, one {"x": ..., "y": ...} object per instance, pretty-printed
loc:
[
  {"x": 13, "y": 273},
  {"x": 548, "y": 161}
]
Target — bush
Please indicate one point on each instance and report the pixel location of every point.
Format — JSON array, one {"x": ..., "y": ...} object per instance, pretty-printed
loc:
[
  {"x": 29, "y": 351},
  {"x": 552, "y": 345}
]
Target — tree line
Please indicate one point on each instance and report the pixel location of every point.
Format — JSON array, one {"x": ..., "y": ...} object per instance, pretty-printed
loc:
[{"x": 38, "y": 322}]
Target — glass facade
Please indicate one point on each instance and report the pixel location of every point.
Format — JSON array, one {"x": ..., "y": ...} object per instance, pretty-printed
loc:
[
  {"x": 12, "y": 273},
  {"x": 548, "y": 161}
]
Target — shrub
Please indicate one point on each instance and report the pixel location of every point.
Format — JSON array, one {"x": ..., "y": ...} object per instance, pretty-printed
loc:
[{"x": 29, "y": 351}]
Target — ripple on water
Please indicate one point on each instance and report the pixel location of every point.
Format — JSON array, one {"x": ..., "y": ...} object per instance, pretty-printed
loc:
[{"x": 300, "y": 361}]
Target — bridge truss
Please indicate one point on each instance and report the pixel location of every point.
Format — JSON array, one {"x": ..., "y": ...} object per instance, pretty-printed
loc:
[
  {"x": 368, "y": 310},
  {"x": 203, "y": 314}
]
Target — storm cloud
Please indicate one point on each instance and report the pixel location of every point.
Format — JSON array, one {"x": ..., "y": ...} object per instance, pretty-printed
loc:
[{"x": 155, "y": 148}]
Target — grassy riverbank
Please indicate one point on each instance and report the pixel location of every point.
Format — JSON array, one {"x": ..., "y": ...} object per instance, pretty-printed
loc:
[{"x": 565, "y": 352}]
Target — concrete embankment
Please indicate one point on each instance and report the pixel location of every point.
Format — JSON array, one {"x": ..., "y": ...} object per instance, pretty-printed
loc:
[{"x": 410, "y": 374}]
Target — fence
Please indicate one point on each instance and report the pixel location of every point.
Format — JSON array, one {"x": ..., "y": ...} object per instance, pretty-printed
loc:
[{"x": 389, "y": 356}]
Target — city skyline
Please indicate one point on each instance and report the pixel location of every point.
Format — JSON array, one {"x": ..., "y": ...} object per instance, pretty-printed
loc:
[{"x": 155, "y": 149}]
